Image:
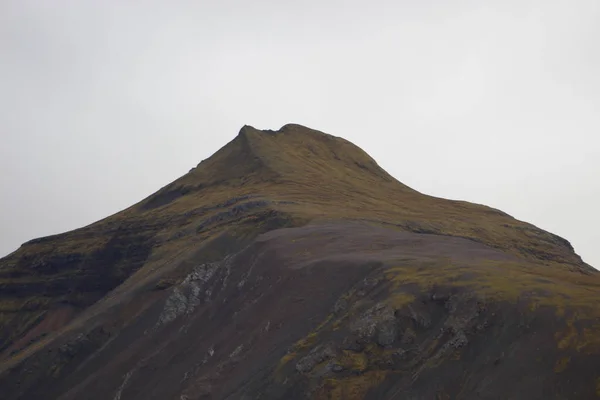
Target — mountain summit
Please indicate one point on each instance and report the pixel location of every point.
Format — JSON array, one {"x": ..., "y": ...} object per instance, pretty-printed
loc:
[{"x": 290, "y": 265}]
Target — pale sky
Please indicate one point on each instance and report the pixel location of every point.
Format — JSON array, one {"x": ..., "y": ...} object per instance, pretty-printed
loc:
[{"x": 493, "y": 102}]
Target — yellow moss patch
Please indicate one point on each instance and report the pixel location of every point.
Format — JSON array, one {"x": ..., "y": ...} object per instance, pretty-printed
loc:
[
  {"x": 587, "y": 340},
  {"x": 337, "y": 324},
  {"x": 455, "y": 355},
  {"x": 304, "y": 343},
  {"x": 322, "y": 324},
  {"x": 287, "y": 358},
  {"x": 561, "y": 364},
  {"x": 568, "y": 338},
  {"x": 350, "y": 388},
  {"x": 541, "y": 286},
  {"x": 354, "y": 361},
  {"x": 400, "y": 299}
]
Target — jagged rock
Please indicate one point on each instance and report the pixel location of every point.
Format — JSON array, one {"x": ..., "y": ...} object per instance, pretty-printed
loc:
[
  {"x": 237, "y": 351},
  {"x": 316, "y": 356},
  {"x": 186, "y": 296},
  {"x": 440, "y": 297},
  {"x": 399, "y": 355},
  {"x": 387, "y": 332},
  {"x": 353, "y": 343},
  {"x": 376, "y": 324},
  {"x": 420, "y": 318},
  {"x": 408, "y": 337},
  {"x": 337, "y": 367},
  {"x": 340, "y": 306},
  {"x": 459, "y": 340},
  {"x": 71, "y": 348},
  {"x": 176, "y": 305}
]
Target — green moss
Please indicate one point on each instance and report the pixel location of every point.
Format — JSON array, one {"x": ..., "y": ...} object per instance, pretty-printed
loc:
[
  {"x": 351, "y": 387},
  {"x": 509, "y": 281}
]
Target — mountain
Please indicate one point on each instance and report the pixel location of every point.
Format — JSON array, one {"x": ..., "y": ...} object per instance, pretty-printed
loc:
[{"x": 289, "y": 265}]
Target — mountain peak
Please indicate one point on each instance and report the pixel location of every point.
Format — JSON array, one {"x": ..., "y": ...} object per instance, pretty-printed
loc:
[
  {"x": 292, "y": 153},
  {"x": 368, "y": 278},
  {"x": 287, "y": 128},
  {"x": 300, "y": 153}
]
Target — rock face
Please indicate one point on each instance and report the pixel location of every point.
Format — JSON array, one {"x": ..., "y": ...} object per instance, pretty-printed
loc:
[{"x": 289, "y": 265}]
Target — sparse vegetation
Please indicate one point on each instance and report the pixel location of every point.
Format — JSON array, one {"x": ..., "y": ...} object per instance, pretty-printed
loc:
[{"x": 296, "y": 177}]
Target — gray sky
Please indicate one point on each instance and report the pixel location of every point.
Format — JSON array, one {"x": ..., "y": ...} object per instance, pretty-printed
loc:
[{"x": 494, "y": 102}]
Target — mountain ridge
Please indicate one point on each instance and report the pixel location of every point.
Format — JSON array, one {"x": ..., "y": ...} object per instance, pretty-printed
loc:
[{"x": 294, "y": 179}]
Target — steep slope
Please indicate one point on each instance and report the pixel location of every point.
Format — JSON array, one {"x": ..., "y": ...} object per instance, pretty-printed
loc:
[{"x": 376, "y": 291}]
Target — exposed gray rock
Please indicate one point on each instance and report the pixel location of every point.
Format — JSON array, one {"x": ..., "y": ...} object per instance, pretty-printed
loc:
[
  {"x": 125, "y": 381},
  {"x": 421, "y": 319},
  {"x": 246, "y": 275},
  {"x": 186, "y": 296},
  {"x": 71, "y": 348},
  {"x": 351, "y": 343},
  {"x": 324, "y": 369},
  {"x": 371, "y": 281},
  {"x": 399, "y": 355},
  {"x": 408, "y": 337},
  {"x": 237, "y": 351},
  {"x": 316, "y": 356},
  {"x": 201, "y": 273},
  {"x": 387, "y": 332},
  {"x": 337, "y": 367},
  {"x": 440, "y": 297},
  {"x": 340, "y": 306},
  {"x": 459, "y": 340},
  {"x": 175, "y": 306},
  {"x": 376, "y": 324}
]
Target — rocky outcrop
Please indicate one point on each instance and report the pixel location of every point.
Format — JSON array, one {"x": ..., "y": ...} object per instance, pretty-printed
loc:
[{"x": 194, "y": 290}]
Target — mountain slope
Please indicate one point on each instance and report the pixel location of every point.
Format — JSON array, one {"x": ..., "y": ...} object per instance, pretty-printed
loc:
[{"x": 376, "y": 291}]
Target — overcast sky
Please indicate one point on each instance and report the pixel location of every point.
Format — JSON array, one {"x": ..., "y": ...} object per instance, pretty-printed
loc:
[{"x": 494, "y": 102}]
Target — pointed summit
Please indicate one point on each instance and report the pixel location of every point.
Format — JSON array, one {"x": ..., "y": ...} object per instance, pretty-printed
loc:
[
  {"x": 290, "y": 264},
  {"x": 292, "y": 153}
]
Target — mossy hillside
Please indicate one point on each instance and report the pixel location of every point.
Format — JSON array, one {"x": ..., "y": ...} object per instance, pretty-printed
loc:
[
  {"x": 571, "y": 298},
  {"x": 559, "y": 306},
  {"x": 510, "y": 281},
  {"x": 281, "y": 172},
  {"x": 301, "y": 173}
]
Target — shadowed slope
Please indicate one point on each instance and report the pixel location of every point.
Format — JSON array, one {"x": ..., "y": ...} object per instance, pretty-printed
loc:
[
  {"x": 336, "y": 310},
  {"x": 99, "y": 281}
]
